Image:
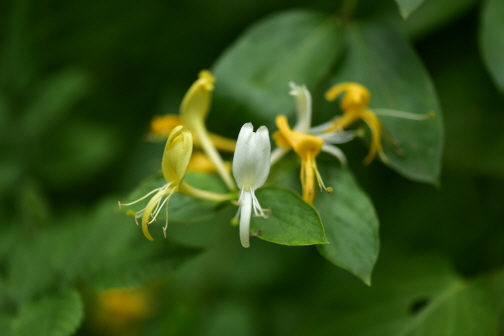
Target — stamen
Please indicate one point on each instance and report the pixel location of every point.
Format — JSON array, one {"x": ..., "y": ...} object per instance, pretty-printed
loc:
[
  {"x": 159, "y": 207},
  {"x": 142, "y": 198},
  {"x": 404, "y": 115},
  {"x": 266, "y": 213},
  {"x": 166, "y": 223},
  {"x": 256, "y": 206},
  {"x": 319, "y": 179},
  {"x": 239, "y": 204}
]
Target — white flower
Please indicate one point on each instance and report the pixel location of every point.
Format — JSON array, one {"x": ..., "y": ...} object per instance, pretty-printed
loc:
[{"x": 251, "y": 165}]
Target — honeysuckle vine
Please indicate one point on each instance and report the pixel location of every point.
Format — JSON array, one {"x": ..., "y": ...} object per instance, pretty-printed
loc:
[{"x": 252, "y": 150}]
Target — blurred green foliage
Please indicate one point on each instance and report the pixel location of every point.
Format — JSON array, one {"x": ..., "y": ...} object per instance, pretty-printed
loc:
[{"x": 79, "y": 83}]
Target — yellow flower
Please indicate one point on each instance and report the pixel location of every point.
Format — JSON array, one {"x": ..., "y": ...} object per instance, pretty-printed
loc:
[
  {"x": 307, "y": 147},
  {"x": 176, "y": 158},
  {"x": 355, "y": 107},
  {"x": 161, "y": 126},
  {"x": 122, "y": 311},
  {"x": 201, "y": 163},
  {"x": 194, "y": 109}
]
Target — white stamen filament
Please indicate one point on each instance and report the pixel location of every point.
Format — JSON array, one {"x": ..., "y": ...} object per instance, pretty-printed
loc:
[
  {"x": 404, "y": 115},
  {"x": 140, "y": 199},
  {"x": 159, "y": 207}
]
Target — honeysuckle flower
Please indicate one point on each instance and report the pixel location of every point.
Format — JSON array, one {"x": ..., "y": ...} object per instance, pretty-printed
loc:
[
  {"x": 122, "y": 311},
  {"x": 307, "y": 146},
  {"x": 354, "y": 105},
  {"x": 176, "y": 158},
  {"x": 194, "y": 109},
  {"x": 251, "y": 165}
]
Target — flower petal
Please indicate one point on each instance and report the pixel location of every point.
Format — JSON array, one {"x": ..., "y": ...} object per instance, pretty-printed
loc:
[
  {"x": 251, "y": 162},
  {"x": 303, "y": 107},
  {"x": 177, "y": 154},
  {"x": 196, "y": 102}
]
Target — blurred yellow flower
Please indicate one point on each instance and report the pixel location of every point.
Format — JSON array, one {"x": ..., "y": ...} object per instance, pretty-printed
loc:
[
  {"x": 121, "y": 311},
  {"x": 355, "y": 107},
  {"x": 161, "y": 126}
]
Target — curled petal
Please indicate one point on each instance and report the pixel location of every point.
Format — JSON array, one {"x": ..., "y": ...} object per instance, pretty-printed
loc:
[
  {"x": 356, "y": 95},
  {"x": 196, "y": 102},
  {"x": 303, "y": 107}
]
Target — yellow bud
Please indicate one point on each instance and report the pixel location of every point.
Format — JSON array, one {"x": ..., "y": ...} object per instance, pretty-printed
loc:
[{"x": 177, "y": 155}]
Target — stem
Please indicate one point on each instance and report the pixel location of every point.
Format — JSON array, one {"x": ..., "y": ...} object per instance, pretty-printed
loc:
[
  {"x": 212, "y": 153},
  {"x": 189, "y": 190}
]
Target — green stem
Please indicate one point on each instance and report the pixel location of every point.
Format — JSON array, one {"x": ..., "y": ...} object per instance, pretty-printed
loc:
[
  {"x": 213, "y": 154},
  {"x": 189, "y": 190}
]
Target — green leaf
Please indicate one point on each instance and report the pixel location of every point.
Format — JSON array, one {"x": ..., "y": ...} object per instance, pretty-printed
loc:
[
  {"x": 385, "y": 63},
  {"x": 462, "y": 309},
  {"x": 350, "y": 222},
  {"x": 106, "y": 249},
  {"x": 51, "y": 316},
  {"x": 492, "y": 39},
  {"x": 253, "y": 74},
  {"x": 406, "y": 7},
  {"x": 416, "y": 296},
  {"x": 292, "y": 221},
  {"x": 143, "y": 265},
  {"x": 181, "y": 208},
  {"x": 6, "y": 325}
]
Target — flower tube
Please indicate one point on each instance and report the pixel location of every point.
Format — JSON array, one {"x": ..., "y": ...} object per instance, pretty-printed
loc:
[
  {"x": 194, "y": 109},
  {"x": 251, "y": 165}
]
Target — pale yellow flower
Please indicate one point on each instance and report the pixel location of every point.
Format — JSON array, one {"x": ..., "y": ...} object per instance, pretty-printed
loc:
[
  {"x": 176, "y": 158},
  {"x": 193, "y": 111}
]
